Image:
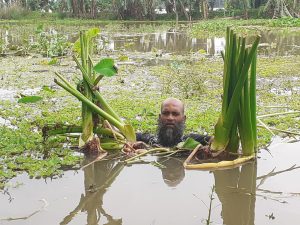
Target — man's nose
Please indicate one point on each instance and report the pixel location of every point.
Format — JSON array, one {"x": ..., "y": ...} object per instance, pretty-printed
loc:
[{"x": 170, "y": 117}]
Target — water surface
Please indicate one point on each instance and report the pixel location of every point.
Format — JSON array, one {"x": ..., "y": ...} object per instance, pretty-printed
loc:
[
  {"x": 272, "y": 43},
  {"x": 262, "y": 192}
]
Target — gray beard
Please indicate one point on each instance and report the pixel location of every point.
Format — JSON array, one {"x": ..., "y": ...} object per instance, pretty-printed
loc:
[{"x": 170, "y": 136}]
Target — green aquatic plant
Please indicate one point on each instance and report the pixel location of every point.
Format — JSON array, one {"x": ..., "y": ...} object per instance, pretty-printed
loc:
[
  {"x": 238, "y": 117},
  {"x": 96, "y": 112},
  {"x": 50, "y": 43},
  {"x": 237, "y": 121}
]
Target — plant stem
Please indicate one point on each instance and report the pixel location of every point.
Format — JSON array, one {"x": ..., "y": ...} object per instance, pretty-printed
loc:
[
  {"x": 94, "y": 107},
  {"x": 277, "y": 114},
  {"x": 102, "y": 101},
  {"x": 147, "y": 152},
  {"x": 283, "y": 131},
  {"x": 265, "y": 126}
]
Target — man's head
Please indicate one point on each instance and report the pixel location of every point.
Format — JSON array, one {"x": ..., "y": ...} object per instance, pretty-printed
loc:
[{"x": 171, "y": 122}]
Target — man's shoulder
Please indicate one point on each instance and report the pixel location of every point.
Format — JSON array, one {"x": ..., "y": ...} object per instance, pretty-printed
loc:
[
  {"x": 203, "y": 139},
  {"x": 146, "y": 137}
]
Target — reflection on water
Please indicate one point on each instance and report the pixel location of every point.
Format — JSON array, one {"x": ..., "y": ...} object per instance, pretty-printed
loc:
[
  {"x": 166, "y": 42},
  {"x": 108, "y": 192},
  {"x": 172, "y": 170},
  {"x": 272, "y": 43},
  {"x": 97, "y": 178},
  {"x": 236, "y": 190}
]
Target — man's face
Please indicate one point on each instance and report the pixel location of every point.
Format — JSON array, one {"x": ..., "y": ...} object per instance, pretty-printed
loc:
[
  {"x": 172, "y": 113},
  {"x": 171, "y": 123}
]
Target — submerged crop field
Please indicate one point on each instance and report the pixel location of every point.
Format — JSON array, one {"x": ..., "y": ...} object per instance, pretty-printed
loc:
[{"x": 32, "y": 54}]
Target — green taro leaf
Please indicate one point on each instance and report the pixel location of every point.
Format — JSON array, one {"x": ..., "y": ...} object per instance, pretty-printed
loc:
[
  {"x": 30, "y": 99},
  {"x": 189, "y": 143},
  {"x": 106, "y": 67}
]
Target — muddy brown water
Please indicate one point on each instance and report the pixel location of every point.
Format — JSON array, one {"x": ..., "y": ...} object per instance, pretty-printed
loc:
[{"x": 262, "y": 192}]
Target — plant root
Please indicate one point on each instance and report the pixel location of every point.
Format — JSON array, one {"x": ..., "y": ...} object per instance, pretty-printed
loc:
[
  {"x": 92, "y": 148},
  {"x": 203, "y": 158}
]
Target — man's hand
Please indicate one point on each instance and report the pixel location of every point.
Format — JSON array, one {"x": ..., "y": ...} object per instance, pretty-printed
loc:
[
  {"x": 139, "y": 145},
  {"x": 135, "y": 147}
]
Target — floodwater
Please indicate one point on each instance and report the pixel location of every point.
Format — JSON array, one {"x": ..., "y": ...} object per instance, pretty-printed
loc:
[
  {"x": 272, "y": 43},
  {"x": 262, "y": 192}
]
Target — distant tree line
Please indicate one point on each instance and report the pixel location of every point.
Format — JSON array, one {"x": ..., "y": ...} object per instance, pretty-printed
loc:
[{"x": 149, "y": 9}]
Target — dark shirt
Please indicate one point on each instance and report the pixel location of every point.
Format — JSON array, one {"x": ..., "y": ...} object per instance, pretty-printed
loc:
[{"x": 151, "y": 139}]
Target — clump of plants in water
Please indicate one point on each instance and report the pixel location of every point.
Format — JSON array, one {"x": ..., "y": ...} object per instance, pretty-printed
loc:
[
  {"x": 51, "y": 43},
  {"x": 101, "y": 129},
  {"x": 237, "y": 122}
]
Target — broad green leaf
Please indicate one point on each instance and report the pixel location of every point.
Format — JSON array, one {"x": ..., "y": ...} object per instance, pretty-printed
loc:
[
  {"x": 29, "y": 99},
  {"x": 129, "y": 133},
  {"x": 189, "y": 143},
  {"x": 106, "y": 67}
]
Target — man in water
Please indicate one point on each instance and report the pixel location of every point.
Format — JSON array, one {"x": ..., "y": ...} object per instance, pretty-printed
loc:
[{"x": 171, "y": 124}]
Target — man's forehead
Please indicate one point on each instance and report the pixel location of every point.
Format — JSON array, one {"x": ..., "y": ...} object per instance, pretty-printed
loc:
[{"x": 172, "y": 102}]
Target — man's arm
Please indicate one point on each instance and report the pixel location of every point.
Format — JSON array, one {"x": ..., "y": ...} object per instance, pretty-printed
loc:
[{"x": 145, "y": 137}]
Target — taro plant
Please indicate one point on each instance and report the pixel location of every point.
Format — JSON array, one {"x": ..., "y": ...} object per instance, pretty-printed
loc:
[
  {"x": 237, "y": 121},
  {"x": 97, "y": 115}
]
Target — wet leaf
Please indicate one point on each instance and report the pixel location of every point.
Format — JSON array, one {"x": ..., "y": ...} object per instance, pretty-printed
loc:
[
  {"x": 30, "y": 99},
  {"x": 106, "y": 67},
  {"x": 189, "y": 143}
]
